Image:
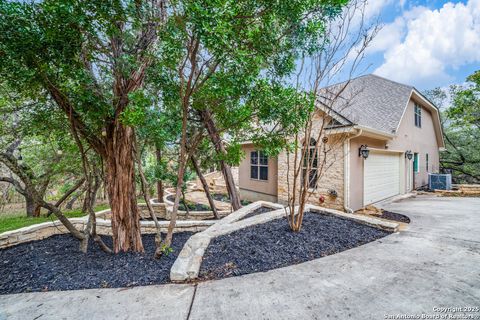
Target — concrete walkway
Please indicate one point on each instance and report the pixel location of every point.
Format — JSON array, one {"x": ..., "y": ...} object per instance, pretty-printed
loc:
[{"x": 435, "y": 262}]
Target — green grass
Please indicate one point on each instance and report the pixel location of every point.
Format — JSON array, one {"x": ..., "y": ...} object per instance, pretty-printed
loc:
[{"x": 10, "y": 222}]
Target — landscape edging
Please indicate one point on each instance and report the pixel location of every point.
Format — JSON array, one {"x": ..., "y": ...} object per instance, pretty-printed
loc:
[
  {"x": 188, "y": 263},
  {"x": 47, "y": 229}
]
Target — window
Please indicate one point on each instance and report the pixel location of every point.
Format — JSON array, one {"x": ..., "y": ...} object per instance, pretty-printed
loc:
[
  {"x": 418, "y": 116},
  {"x": 426, "y": 162},
  {"x": 312, "y": 157},
  {"x": 415, "y": 162},
  {"x": 258, "y": 165}
]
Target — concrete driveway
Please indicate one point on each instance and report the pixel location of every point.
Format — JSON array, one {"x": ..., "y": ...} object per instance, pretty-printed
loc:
[{"x": 434, "y": 263}]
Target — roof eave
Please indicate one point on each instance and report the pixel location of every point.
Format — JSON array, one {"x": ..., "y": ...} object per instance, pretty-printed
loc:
[{"x": 375, "y": 133}]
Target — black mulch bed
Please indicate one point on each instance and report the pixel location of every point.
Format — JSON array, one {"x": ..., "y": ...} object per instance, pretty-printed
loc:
[
  {"x": 394, "y": 216},
  {"x": 225, "y": 198},
  {"x": 56, "y": 263},
  {"x": 272, "y": 245},
  {"x": 257, "y": 211}
]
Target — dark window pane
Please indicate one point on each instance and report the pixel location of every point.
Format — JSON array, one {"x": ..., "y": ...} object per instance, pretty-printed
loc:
[
  {"x": 263, "y": 173},
  {"x": 418, "y": 116},
  {"x": 312, "y": 158},
  {"x": 263, "y": 158},
  {"x": 254, "y": 157},
  {"x": 313, "y": 179},
  {"x": 254, "y": 172}
]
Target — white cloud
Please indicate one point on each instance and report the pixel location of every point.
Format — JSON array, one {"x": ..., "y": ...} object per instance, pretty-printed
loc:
[
  {"x": 374, "y": 7},
  {"x": 389, "y": 36},
  {"x": 422, "y": 44}
]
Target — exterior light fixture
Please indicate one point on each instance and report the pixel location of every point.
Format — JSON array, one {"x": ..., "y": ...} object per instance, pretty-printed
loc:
[
  {"x": 409, "y": 154},
  {"x": 363, "y": 151}
]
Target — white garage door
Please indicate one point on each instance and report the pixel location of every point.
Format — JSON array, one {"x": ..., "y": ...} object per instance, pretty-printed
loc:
[{"x": 381, "y": 176}]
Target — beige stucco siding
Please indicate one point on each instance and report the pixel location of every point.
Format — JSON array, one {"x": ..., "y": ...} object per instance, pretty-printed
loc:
[
  {"x": 420, "y": 140},
  {"x": 356, "y": 169},
  {"x": 248, "y": 185},
  {"x": 409, "y": 137}
]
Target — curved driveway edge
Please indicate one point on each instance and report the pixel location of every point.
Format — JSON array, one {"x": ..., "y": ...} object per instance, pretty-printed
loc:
[{"x": 435, "y": 262}]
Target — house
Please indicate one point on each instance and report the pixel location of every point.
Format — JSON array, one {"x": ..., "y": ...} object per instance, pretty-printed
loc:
[{"x": 392, "y": 122}]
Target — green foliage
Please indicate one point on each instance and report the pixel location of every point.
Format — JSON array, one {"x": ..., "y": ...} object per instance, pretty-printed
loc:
[
  {"x": 15, "y": 221},
  {"x": 245, "y": 49},
  {"x": 462, "y": 130},
  {"x": 166, "y": 250},
  {"x": 466, "y": 103}
]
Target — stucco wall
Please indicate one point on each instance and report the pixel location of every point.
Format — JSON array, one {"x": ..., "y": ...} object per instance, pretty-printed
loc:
[
  {"x": 247, "y": 185},
  {"x": 421, "y": 140},
  {"x": 356, "y": 169},
  {"x": 409, "y": 137}
]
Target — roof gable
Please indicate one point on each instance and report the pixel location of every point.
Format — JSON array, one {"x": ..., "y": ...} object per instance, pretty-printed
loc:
[{"x": 370, "y": 101}]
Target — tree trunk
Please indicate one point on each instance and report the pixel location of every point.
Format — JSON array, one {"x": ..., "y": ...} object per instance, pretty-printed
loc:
[
  {"x": 187, "y": 210},
  {"x": 120, "y": 182},
  {"x": 75, "y": 197},
  {"x": 159, "y": 182},
  {"x": 146, "y": 195},
  {"x": 205, "y": 186},
  {"x": 220, "y": 149},
  {"x": 67, "y": 194},
  {"x": 85, "y": 204},
  {"x": 33, "y": 207}
]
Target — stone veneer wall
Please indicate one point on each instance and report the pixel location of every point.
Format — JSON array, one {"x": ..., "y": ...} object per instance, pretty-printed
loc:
[
  {"x": 47, "y": 229},
  {"x": 332, "y": 179}
]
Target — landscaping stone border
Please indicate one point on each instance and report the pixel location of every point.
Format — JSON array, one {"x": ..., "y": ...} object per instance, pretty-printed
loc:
[
  {"x": 192, "y": 215},
  {"x": 46, "y": 229},
  {"x": 187, "y": 265}
]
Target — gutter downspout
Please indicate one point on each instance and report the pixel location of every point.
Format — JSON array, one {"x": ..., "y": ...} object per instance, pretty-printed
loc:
[{"x": 346, "y": 172}]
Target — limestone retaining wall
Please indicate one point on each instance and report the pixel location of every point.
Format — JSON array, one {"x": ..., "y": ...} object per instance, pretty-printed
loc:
[{"x": 47, "y": 229}]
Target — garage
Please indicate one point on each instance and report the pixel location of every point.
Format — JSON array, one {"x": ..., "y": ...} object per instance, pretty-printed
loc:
[{"x": 381, "y": 176}]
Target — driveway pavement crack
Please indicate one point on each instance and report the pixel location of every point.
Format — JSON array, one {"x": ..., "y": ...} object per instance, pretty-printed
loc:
[{"x": 191, "y": 302}]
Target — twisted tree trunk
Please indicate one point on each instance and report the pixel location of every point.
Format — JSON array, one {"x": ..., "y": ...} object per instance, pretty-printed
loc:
[{"x": 120, "y": 180}]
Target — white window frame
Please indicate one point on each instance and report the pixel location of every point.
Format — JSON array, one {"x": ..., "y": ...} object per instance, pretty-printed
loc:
[
  {"x": 417, "y": 107},
  {"x": 258, "y": 165},
  {"x": 312, "y": 168}
]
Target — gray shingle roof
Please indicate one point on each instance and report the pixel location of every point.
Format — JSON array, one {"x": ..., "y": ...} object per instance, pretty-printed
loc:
[{"x": 370, "y": 101}]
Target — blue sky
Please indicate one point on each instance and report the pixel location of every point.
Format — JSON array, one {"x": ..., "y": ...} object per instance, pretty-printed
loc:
[{"x": 428, "y": 43}]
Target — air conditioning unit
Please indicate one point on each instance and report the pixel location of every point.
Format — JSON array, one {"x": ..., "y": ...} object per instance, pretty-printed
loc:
[{"x": 439, "y": 181}]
